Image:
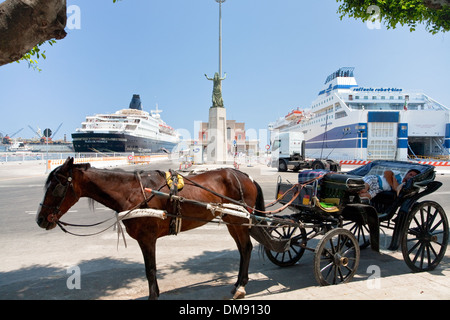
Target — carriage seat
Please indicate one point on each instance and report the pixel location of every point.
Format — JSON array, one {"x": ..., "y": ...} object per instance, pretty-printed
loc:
[
  {"x": 342, "y": 181},
  {"x": 385, "y": 199},
  {"x": 331, "y": 187},
  {"x": 378, "y": 167},
  {"x": 338, "y": 187}
]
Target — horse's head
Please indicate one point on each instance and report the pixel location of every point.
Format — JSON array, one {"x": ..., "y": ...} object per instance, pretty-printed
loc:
[{"x": 60, "y": 195}]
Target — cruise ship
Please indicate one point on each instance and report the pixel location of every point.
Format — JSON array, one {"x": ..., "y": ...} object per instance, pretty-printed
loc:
[
  {"x": 127, "y": 130},
  {"x": 347, "y": 121}
]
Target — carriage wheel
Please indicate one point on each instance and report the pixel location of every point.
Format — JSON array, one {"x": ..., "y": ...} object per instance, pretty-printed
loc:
[
  {"x": 336, "y": 257},
  {"x": 296, "y": 247},
  {"x": 425, "y": 236},
  {"x": 360, "y": 231}
]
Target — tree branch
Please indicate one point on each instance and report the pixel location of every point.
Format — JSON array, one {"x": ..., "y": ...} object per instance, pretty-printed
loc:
[
  {"x": 26, "y": 23},
  {"x": 436, "y": 4}
]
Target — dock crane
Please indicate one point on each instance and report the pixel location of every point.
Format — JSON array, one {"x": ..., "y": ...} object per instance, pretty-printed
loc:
[
  {"x": 43, "y": 137},
  {"x": 7, "y": 139}
]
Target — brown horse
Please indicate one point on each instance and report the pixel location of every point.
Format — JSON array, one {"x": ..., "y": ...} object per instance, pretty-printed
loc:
[{"x": 121, "y": 191}]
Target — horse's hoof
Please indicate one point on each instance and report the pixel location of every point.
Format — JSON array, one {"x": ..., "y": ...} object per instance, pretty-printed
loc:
[{"x": 239, "y": 293}]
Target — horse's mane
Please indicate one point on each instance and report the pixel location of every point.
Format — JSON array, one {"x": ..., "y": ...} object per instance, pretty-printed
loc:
[
  {"x": 83, "y": 166},
  {"x": 122, "y": 173}
]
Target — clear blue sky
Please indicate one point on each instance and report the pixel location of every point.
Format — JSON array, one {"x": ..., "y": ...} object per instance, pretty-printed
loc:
[{"x": 277, "y": 55}]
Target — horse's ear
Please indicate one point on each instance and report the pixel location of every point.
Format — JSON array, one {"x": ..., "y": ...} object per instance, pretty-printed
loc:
[{"x": 68, "y": 163}]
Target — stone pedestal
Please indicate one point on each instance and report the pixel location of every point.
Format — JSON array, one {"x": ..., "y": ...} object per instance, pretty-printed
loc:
[{"x": 217, "y": 136}]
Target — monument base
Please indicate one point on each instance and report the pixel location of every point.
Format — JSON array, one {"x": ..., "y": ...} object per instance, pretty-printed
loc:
[{"x": 217, "y": 136}]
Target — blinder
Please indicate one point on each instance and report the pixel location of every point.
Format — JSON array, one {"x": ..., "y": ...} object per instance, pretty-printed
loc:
[{"x": 59, "y": 191}]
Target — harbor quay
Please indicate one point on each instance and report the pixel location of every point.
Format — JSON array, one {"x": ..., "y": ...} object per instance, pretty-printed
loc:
[
  {"x": 41, "y": 264},
  {"x": 23, "y": 166}
]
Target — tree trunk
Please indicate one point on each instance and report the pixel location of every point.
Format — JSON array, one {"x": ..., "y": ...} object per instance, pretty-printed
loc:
[{"x": 26, "y": 23}]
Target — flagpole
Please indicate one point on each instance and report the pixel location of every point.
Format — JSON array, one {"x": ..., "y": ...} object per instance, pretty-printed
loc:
[{"x": 220, "y": 36}]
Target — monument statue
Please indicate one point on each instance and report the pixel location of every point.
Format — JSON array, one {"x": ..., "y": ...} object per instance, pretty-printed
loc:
[{"x": 217, "y": 99}]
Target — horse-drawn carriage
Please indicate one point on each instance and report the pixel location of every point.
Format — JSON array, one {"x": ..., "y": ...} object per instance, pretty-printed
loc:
[
  {"x": 329, "y": 205},
  {"x": 323, "y": 205}
]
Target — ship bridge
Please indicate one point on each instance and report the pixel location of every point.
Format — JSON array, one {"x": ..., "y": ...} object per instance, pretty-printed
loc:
[
  {"x": 342, "y": 79},
  {"x": 344, "y": 72}
]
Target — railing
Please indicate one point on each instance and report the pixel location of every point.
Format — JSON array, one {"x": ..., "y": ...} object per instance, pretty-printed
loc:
[
  {"x": 430, "y": 158},
  {"x": 33, "y": 156}
]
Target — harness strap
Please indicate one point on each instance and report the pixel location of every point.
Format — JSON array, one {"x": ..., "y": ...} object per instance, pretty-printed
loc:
[
  {"x": 240, "y": 186},
  {"x": 214, "y": 192},
  {"x": 142, "y": 187},
  {"x": 175, "y": 222},
  {"x": 254, "y": 209}
]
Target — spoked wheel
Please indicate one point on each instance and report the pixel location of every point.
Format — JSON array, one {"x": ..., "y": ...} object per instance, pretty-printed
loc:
[
  {"x": 296, "y": 248},
  {"x": 425, "y": 236},
  {"x": 336, "y": 257},
  {"x": 360, "y": 231}
]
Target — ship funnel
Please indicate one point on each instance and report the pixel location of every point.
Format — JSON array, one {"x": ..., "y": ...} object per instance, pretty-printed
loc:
[{"x": 136, "y": 102}]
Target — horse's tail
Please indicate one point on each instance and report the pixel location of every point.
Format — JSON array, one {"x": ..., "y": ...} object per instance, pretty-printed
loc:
[
  {"x": 260, "y": 205},
  {"x": 259, "y": 233}
]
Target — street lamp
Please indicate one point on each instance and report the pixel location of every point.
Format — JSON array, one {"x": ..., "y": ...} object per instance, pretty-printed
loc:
[{"x": 220, "y": 36}]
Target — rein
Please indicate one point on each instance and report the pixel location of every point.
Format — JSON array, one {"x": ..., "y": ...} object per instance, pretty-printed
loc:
[
  {"x": 218, "y": 194},
  {"x": 61, "y": 192},
  {"x": 242, "y": 203},
  {"x": 175, "y": 215}
]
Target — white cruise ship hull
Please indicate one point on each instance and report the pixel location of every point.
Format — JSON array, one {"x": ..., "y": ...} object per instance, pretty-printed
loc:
[{"x": 118, "y": 142}]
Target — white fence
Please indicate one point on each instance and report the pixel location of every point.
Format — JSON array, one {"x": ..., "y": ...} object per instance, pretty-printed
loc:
[{"x": 97, "y": 160}]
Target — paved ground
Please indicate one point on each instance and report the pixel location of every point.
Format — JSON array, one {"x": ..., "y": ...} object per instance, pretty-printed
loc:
[{"x": 201, "y": 264}]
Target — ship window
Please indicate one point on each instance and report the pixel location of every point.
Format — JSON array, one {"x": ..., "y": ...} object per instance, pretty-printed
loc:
[
  {"x": 366, "y": 98},
  {"x": 383, "y": 98},
  {"x": 391, "y": 97},
  {"x": 374, "y": 97},
  {"x": 340, "y": 114}
]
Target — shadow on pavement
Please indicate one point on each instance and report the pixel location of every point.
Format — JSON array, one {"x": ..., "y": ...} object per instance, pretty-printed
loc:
[
  {"x": 207, "y": 276},
  {"x": 98, "y": 279}
]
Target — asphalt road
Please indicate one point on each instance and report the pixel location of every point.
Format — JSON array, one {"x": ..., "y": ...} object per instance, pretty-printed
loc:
[{"x": 201, "y": 264}]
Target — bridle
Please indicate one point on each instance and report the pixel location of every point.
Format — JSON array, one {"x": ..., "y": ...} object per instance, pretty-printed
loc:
[{"x": 60, "y": 191}]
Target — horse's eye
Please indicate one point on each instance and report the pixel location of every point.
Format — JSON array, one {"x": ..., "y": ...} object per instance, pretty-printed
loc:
[{"x": 59, "y": 191}]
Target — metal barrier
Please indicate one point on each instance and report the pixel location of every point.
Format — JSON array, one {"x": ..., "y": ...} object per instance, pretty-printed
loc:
[{"x": 101, "y": 162}]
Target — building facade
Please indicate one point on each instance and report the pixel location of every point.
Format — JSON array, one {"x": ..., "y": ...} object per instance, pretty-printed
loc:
[{"x": 236, "y": 139}]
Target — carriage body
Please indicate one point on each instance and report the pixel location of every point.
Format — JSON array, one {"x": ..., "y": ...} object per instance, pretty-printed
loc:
[{"x": 328, "y": 200}]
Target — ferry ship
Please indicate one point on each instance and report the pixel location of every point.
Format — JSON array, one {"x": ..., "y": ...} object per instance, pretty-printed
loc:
[
  {"x": 19, "y": 146},
  {"x": 347, "y": 121},
  {"x": 127, "y": 130}
]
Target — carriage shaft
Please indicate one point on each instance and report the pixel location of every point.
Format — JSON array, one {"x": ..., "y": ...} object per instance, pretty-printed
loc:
[{"x": 224, "y": 210}]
